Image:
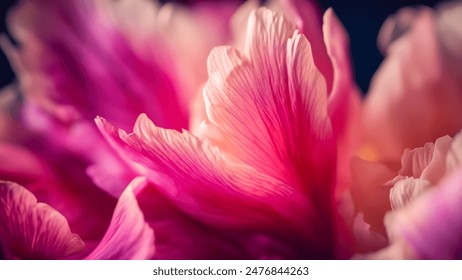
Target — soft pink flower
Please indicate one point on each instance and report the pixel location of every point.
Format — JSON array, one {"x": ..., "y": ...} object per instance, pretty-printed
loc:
[
  {"x": 421, "y": 203},
  {"x": 263, "y": 165},
  {"x": 416, "y": 95}
]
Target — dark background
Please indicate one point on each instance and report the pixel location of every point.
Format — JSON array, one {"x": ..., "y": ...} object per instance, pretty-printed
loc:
[{"x": 361, "y": 18}]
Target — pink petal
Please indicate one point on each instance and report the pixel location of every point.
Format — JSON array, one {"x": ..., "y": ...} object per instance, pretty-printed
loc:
[
  {"x": 415, "y": 90},
  {"x": 60, "y": 182},
  {"x": 287, "y": 113},
  {"x": 71, "y": 50},
  {"x": 306, "y": 15},
  {"x": 267, "y": 111},
  {"x": 33, "y": 230},
  {"x": 128, "y": 235},
  {"x": 205, "y": 185},
  {"x": 344, "y": 105},
  {"x": 431, "y": 225},
  {"x": 20, "y": 165},
  {"x": 180, "y": 237},
  {"x": 427, "y": 162}
]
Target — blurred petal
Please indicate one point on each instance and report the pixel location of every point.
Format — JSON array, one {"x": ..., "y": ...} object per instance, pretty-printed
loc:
[
  {"x": 431, "y": 225},
  {"x": 178, "y": 236},
  {"x": 414, "y": 97},
  {"x": 344, "y": 100},
  {"x": 128, "y": 235},
  {"x": 33, "y": 230},
  {"x": 454, "y": 154},
  {"x": 72, "y": 50},
  {"x": 406, "y": 190},
  {"x": 370, "y": 191},
  {"x": 427, "y": 162}
]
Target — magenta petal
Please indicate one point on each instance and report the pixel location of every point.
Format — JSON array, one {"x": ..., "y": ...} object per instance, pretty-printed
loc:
[
  {"x": 75, "y": 63},
  {"x": 33, "y": 230},
  {"x": 128, "y": 235}
]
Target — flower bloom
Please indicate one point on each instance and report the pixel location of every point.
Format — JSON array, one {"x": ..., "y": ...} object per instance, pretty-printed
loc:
[
  {"x": 73, "y": 60},
  {"x": 262, "y": 166},
  {"x": 244, "y": 140}
]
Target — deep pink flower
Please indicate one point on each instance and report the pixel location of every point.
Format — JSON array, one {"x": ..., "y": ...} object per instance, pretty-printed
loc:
[{"x": 263, "y": 165}]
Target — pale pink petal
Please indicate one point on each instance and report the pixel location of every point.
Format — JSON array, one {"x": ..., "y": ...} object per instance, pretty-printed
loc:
[
  {"x": 448, "y": 24},
  {"x": 205, "y": 185},
  {"x": 427, "y": 162},
  {"x": 414, "y": 97},
  {"x": 33, "y": 230},
  {"x": 128, "y": 235},
  {"x": 431, "y": 225},
  {"x": 406, "y": 190}
]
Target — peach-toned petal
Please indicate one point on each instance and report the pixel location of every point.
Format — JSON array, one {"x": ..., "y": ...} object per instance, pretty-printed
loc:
[
  {"x": 33, "y": 230},
  {"x": 128, "y": 236},
  {"x": 370, "y": 191}
]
